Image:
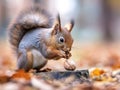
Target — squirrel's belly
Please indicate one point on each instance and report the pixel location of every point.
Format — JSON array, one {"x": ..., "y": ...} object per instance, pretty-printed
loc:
[{"x": 38, "y": 60}]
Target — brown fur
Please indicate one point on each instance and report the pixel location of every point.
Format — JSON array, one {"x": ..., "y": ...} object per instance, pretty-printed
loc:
[
  {"x": 24, "y": 23},
  {"x": 30, "y": 60}
]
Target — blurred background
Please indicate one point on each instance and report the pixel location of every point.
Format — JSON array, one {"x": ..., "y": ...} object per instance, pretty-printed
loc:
[{"x": 96, "y": 32}]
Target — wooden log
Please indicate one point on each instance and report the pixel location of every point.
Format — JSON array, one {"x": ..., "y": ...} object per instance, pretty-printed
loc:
[{"x": 80, "y": 75}]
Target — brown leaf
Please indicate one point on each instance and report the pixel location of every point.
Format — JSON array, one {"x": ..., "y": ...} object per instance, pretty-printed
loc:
[
  {"x": 21, "y": 74},
  {"x": 4, "y": 78}
]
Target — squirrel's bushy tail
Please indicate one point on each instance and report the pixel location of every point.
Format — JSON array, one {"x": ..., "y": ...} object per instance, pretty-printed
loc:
[{"x": 32, "y": 18}]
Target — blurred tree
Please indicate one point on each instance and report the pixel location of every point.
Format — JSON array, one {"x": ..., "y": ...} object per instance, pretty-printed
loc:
[
  {"x": 111, "y": 14},
  {"x": 107, "y": 20},
  {"x": 3, "y": 14}
]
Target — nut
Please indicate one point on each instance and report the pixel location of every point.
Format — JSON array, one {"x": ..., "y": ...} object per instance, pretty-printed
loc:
[{"x": 69, "y": 65}]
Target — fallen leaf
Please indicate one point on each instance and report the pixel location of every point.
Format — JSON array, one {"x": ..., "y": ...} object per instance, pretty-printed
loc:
[
  {"x": 21, "y": 74},
  {"x": 97, "y": 72},
  {"x": 4, "y": 78},
  {"x": 41, "y": 84}
]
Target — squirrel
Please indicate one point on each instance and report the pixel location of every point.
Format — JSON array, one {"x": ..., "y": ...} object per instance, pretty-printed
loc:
[{"x": 36, "y": 38}]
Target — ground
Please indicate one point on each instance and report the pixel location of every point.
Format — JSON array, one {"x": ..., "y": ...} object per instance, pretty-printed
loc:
[{"x": 101, "y": 60}]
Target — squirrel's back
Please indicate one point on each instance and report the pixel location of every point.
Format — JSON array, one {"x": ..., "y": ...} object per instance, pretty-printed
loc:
[{"x": 29, "y": 19}]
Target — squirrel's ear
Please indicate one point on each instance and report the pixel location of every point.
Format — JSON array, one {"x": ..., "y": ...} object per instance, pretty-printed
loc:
[
  {"x": 57, "y": 25},
  {"x": 70, "y": 25},
  {"x": 57, "y": 22},
  {"x": 55, "y": 29}
]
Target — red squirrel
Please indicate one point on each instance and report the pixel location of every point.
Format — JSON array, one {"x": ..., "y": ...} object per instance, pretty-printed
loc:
[{"x": 36, "y": 38}]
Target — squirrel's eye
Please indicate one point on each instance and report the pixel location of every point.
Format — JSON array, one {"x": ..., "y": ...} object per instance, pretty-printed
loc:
[{"x": 61, "y": 39}]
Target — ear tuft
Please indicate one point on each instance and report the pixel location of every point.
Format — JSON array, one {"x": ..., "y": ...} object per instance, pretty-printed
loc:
[
  {"x": 70, "y": 25},
  {"x": 57, "y": 25},
  {"x": 58, "y": 19}
]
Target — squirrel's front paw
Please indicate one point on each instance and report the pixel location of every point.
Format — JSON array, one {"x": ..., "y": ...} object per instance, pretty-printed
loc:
[
  {"x": 68, "y": 55},
  {"x": 69, "y": 65},
  {"x": 62, "y": 54}
]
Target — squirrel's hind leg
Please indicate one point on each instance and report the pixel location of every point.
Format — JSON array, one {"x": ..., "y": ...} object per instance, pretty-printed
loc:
[
  {"x": 25, "y": 60},
  {"x": 31, "y": 59}
]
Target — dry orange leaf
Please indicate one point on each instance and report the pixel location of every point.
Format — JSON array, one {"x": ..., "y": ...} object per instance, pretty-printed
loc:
[
  {"x": 4, "y": 78},
  {"x": 22, "y": 74},
  {"x": 97, "y": 72}
]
